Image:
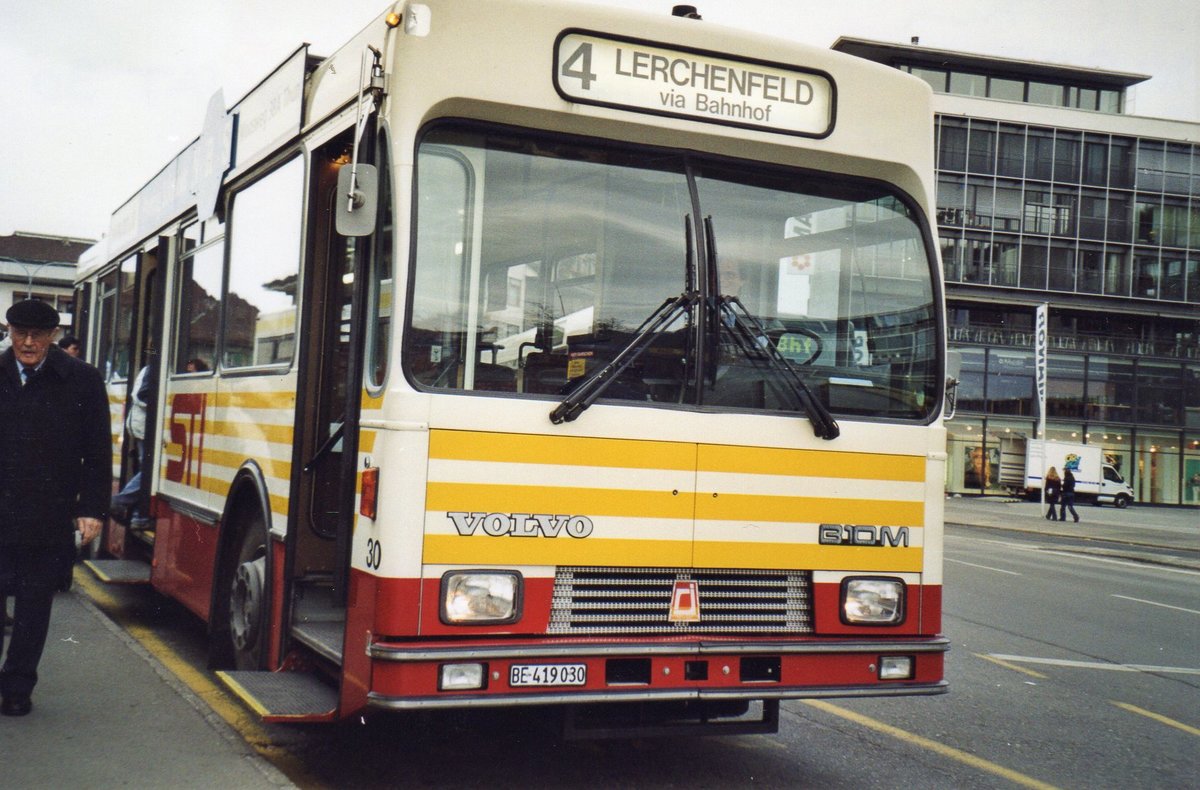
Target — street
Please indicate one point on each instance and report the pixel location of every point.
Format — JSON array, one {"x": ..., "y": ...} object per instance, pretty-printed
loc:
[{"x": 1073, "y": 664}]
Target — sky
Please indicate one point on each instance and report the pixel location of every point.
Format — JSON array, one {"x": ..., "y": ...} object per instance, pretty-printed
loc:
[{"x": 98, "y": 95}]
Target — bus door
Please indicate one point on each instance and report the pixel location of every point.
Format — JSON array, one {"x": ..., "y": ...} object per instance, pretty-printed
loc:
[
  {"x": 141, "y": 330},
  {"x": 331, "y": 378}
]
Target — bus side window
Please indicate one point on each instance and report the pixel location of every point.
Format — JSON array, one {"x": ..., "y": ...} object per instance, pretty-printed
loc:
[{"x": 201, "y": 280}]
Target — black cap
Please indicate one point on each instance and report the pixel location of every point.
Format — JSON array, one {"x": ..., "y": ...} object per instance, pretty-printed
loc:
[{"x": 32, "y": 314}]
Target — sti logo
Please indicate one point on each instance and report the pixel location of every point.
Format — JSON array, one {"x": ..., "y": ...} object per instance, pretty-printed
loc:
[{"x": 685, "y": 602}]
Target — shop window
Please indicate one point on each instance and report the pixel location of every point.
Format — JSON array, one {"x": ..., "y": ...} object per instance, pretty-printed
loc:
[
  {"x": 1010, "y": 382},
  {"x": 1159, "y": 393}
]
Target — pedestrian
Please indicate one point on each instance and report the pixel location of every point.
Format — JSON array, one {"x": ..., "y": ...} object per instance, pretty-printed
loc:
[
  {"x": 1053, "y": 489},
  {"x": 126, "y": 504},
  {"x": 71, "y": 345},
  {"x": 1068, "y": 496},
  {"x": 55, "y": 467}
]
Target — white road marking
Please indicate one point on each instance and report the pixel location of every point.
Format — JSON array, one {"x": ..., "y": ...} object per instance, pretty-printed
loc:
[
  {"x": 984, "y": 567},
  {"x": 1062, "y": 662},
  {"x": 1156, "y": 603}
]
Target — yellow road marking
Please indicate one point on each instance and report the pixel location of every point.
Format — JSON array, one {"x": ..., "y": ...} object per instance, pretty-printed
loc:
[
  {"x": 1157, "y": 717},
  {"x": 1013, "y": 667},
  {"x": 942, "y": 749},
  {"x": 232, "y": 713}
]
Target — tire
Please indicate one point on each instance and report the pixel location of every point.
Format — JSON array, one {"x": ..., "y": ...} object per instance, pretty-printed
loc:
[
  {"x": 1121, "y": 501},
  {"x": 247, "y": 601}
]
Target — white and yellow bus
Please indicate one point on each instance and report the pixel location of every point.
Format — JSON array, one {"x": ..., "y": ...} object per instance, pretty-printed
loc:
[{"x": 535, "y": 353}]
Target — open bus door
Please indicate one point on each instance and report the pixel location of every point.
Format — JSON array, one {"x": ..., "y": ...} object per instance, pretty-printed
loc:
[
  {"x": 138, "y": 334},
  {"x": 317, "y": 553}
]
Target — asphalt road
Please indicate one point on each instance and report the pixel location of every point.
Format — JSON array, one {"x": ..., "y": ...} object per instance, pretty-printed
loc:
[{"x": 1075, "y": 663}]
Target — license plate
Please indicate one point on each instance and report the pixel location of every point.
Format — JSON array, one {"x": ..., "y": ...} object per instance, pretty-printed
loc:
[{"x": 547, "y": 675}]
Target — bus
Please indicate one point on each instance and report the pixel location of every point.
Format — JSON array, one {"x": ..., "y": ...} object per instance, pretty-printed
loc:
[{"x": 535, "y": 353}]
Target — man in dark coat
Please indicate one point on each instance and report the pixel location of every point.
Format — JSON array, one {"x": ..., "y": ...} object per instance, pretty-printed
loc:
[{"x": 55, "y": 478}]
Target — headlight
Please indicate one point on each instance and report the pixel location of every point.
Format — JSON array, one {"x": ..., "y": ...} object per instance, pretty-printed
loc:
[
  {"x": 873, "y": 601},
  {"x": 480, "y": 597}
]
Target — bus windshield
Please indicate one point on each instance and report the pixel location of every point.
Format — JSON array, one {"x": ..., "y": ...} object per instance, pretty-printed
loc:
[{"x": 538, "y": 259}]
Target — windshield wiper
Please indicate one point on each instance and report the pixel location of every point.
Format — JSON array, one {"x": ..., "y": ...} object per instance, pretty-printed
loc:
[
  {"x": 651, "y": 329},
  {"x": 751, "y": 338},
  {"x": 592, "y": 387}
]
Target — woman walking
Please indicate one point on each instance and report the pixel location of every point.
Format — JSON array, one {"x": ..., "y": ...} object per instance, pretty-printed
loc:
[{"x": 1053, "y": 488}]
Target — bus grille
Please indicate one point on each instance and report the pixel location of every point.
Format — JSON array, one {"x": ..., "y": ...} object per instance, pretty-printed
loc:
[{"x": 638, "y": 601}]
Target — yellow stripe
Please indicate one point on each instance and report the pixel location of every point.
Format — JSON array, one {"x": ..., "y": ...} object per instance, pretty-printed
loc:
[
  {"x": 366, "y": 441},
  {"x": 934, "y": 746},
  {"x": 280, "y": 470},
  {"x": 560, "y": 450},
  {"x": 256, "y": 400},
  {"x": 276, "y": 434},
  {"x": 625, "y": 453},
  {"x": 280, "y": 505},
  {"x": 750, "y": 508},
  {"x": 536, "y": 499},
  {"x": 1190, "y": 730},
  {"x": 745, "y": 554},
  {"x": 811, "y": 463},
  {"x": 485, "y": 549}
]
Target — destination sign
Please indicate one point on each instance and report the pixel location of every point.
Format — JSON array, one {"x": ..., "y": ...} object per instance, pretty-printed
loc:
[{"x": 649, "y": 78}]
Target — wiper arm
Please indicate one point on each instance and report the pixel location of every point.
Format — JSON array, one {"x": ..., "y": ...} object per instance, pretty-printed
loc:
[
  {"x": 651, "y": 329},
  {"x": 752, "y": 339}
]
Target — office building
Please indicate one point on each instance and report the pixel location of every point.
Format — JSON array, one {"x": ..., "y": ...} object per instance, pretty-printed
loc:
[{"x": 1049, "y": 192}]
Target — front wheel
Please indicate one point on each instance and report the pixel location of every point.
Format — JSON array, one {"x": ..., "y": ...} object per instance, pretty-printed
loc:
[
  {"x": 1121, "y": 501},
  {"x": 247, "y": 599}
]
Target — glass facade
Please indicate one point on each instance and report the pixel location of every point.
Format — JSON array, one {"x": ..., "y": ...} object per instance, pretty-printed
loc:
[
  {"x": 1039, "y": 208},
  {"x": 1103, "y": 227},
  {"x": 1129, "y": 384},
  {"x": 1073, "y": 215},
  {"x": 964, "y": 82}
]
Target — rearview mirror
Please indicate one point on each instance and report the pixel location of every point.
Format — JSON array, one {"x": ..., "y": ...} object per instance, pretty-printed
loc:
[{"x": 357, "y": 200}]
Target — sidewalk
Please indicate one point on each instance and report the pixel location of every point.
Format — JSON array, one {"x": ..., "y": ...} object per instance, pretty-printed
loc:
[
  {"x": 106, "y": 714},
  {"x": 1173, "y": 533}
]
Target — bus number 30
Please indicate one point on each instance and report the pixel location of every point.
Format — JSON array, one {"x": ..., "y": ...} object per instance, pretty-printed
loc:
[{"x": 374, "y": 554}]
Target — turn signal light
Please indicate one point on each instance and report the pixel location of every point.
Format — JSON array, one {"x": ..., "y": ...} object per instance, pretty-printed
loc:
[{"x": 370, "y": 492}]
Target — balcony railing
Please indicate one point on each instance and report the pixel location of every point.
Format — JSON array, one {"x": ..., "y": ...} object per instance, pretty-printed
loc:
[{"x": 1016, "y": 338}]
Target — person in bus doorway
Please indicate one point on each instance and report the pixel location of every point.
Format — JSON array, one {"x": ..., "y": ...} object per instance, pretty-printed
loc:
[
  {"x": 1053, "y": 489},
  {"x": 55, "y": 467},
  {"x": 1068, "y": 496},
  {"x": 71, "y": 345},
  {"x": 127, "y": 502}
]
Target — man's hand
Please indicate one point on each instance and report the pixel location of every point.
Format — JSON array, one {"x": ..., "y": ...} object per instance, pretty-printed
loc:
[{"x": 88, "y": 528}]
